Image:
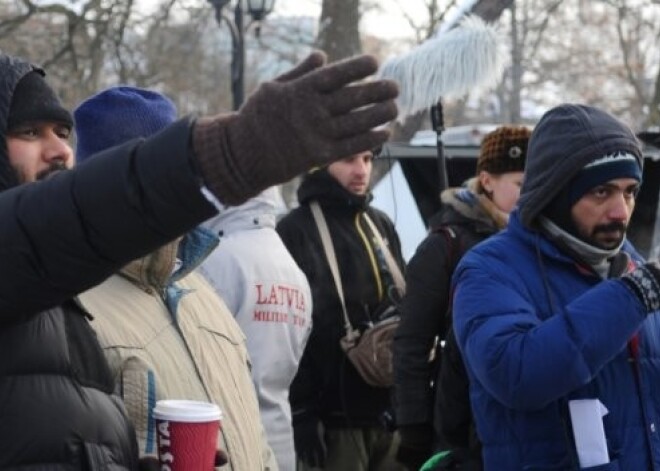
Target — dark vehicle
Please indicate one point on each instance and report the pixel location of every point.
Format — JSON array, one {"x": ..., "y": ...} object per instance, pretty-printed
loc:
[{"x": 419, "y": 164}]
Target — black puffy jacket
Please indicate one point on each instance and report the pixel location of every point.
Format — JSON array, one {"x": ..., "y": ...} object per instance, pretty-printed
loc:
[{"x": 58, "y": 238}]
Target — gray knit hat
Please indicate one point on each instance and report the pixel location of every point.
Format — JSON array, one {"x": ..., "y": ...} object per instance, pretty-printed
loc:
[{"x": 566, "y": 139}]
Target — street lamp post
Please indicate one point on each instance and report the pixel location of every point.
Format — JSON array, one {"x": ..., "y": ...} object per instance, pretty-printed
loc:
[{"x": 258, "y": 9}]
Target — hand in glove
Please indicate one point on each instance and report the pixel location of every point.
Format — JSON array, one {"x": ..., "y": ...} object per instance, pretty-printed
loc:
[
  {"x": 150, "y": 463},
  {"x": 308, "y": 117},
  {"x": 416, "y": 445},
  {"x": 309, "y": 443},
  {"x": 645, "y": 283}
]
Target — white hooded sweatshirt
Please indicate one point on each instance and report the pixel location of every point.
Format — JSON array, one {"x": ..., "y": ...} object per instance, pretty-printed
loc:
[{"x": 270, "y": 297}]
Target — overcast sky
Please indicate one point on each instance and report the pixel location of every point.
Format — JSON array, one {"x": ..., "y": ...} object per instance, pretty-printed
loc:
[{"x": 390, "y": 22}]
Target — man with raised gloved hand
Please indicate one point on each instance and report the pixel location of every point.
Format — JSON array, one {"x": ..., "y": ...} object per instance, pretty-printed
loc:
[
  {"x": 68, "y": 230},
  {"x": 555, "y": 316}
]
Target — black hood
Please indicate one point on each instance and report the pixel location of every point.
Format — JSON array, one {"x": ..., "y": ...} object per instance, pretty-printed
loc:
[
  {"x": 320, "y": 185},
  {"x": 13, "y": 70}
]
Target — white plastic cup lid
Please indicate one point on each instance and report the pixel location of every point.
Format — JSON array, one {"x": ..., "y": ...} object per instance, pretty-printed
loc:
[{"x": 179, "y": 410}]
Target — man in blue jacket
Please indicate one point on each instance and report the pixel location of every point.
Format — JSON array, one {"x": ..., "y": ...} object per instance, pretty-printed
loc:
[
  {"x": 554, "y": 316},
  {"x": 64, "y": 231}
]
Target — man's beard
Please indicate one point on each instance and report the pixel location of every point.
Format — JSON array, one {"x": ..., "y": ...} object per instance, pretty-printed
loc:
[
  {"x": 52, "y": 169},
  {"x": 605, "y": 229}
]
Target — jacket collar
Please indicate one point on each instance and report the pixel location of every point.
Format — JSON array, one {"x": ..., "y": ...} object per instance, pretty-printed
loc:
[
  {"x": 172, "y": 261},
  {"x": 475, "y": 206},
  {"x": 592, "y": 256},
  {"x": 323, "y": 187},
  {"x": 551, "y": 248},
  {"x": 256, "y": 213}
]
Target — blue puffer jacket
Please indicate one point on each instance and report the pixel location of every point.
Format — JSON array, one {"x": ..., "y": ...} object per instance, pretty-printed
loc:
[{"x": 536, "y": 331}]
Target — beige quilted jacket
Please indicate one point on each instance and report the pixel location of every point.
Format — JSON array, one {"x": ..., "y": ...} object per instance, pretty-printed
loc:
[{"x": 199, "y": 353}]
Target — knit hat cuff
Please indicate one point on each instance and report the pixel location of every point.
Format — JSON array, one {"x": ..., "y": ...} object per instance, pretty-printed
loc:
[{"x": 609, "y": 167}]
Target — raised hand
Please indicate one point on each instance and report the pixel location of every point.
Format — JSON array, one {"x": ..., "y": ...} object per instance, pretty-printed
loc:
[{"x": 309, "y": 116}]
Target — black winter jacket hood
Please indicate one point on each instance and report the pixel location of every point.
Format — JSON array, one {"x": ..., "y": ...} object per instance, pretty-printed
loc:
[
  {"x": 320, "y": 185},
  {"x": 13, "y": 70}
]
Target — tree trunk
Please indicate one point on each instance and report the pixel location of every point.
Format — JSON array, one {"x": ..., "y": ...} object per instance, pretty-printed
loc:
[
  {"x": 339, "y": 35},
  {"x": 490, "y": 10},
  {"x": 516, "y": 69}
]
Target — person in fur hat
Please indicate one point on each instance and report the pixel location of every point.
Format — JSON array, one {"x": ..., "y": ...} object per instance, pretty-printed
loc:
[
  {"x": 469, "y": 215},
  {"x": 556, "y": 317}
]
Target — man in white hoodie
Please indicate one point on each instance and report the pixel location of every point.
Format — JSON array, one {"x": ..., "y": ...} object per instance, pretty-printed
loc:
[{"x": 270, "y": 297}]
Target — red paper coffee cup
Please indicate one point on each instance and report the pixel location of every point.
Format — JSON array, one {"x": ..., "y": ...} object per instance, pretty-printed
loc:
[{"x": 187, "y": 434}]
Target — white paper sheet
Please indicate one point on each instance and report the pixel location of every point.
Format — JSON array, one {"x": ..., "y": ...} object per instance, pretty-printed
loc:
[{"x": 587, "y": 420}]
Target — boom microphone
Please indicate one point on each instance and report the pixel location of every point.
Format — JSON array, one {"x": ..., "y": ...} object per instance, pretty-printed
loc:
[{"x": 467, "y": 58}]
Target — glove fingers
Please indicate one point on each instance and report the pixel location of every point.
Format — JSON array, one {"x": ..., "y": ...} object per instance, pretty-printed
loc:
[
  {"x": 313, "y": 61},
  {"x": 361, "y": 120},
  {"x": 353, "y": 145},
  {"x": 356, "y": 96},
  {"x": 338, "y": 74}
]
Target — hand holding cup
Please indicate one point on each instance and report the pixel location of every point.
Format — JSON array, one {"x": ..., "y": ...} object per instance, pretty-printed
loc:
[{"x": 187, "y": 434}]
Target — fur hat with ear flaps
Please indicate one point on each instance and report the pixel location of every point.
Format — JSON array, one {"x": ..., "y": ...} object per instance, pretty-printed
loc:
[
  {"x": 568, "y": 139},
  {"x": 504, "y": 150}
]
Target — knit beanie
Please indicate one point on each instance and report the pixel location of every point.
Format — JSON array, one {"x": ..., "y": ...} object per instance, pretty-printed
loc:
[
  {"x": 34, "y": 100},
  {"x": 598, "y": 172},
  {"x": 504, "y": 150},
  {"x": 568, "y": 140},
  {"x": 117, "y": 115}
]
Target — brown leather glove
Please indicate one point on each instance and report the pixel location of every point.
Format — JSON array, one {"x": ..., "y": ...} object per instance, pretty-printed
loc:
[{"x": 307, "y": 117}]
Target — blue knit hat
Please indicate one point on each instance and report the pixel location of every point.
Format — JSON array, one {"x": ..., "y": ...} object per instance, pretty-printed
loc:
[{"x": 117, "y": 115}]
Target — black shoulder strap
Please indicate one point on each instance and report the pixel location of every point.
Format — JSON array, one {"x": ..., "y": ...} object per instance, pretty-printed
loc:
[{"x": 453, "y": 244}]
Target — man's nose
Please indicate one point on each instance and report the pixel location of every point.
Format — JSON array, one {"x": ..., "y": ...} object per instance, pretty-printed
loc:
[
  {"x": 361, "y": 167},
  {"x": 57, "y": 149},
  {"x": 620, "y": 208}
]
